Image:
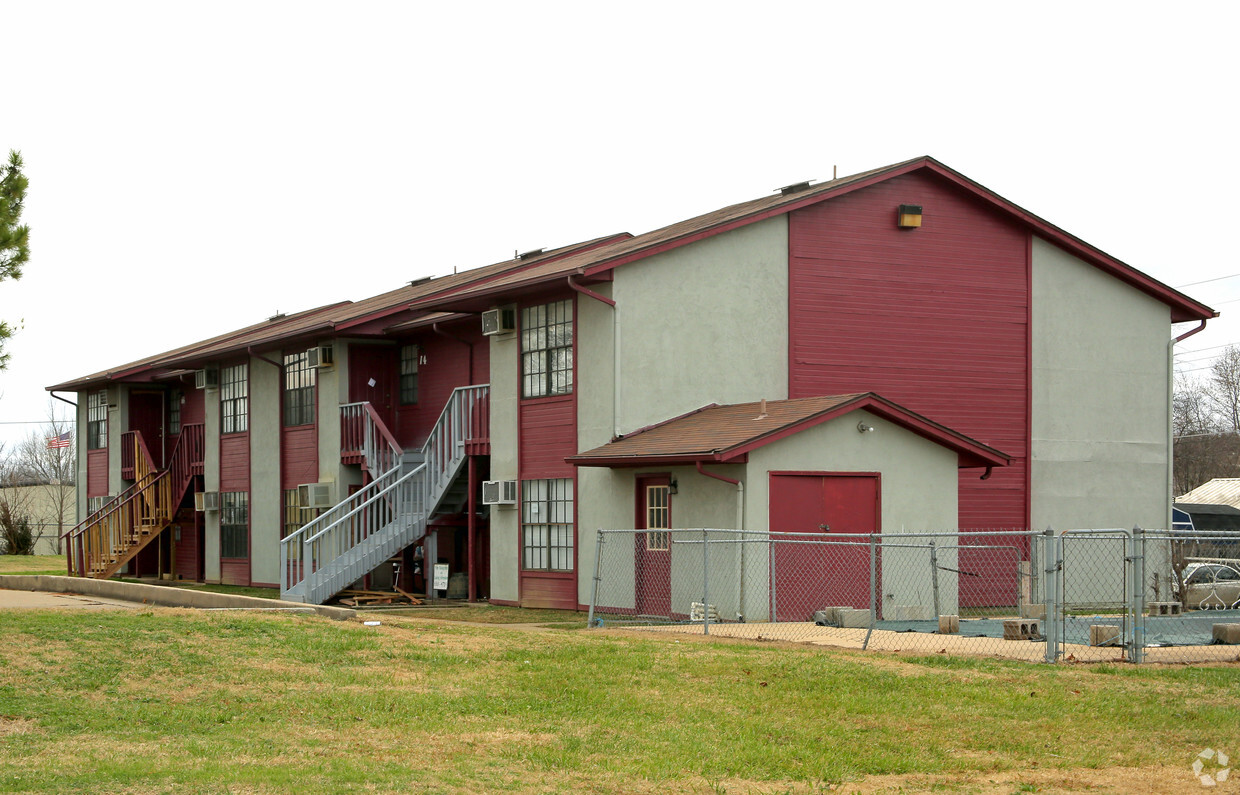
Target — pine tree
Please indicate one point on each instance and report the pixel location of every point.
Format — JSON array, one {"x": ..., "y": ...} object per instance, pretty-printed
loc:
[{"x": 14, "y": 238}]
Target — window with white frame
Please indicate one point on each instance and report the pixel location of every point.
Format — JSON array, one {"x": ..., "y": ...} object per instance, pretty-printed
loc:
[
  {"x": 658, "y": 515},
  {"x": 97, "y": 420},
  {"x": 234, "y": 524},
  {"x": 235, "y": 398},
  {"x": 547, "y": 524},
  {"x": 408, "y": 375},
  {"x": 547, "y": 349},
  {"x": 299, "y": 379}
]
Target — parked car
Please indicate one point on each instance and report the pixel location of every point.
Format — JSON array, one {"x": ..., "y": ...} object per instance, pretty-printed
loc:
[{"x": 1211, "y": 586}]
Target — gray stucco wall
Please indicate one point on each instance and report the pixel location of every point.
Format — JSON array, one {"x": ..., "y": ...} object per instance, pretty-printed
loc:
[
  {"x": 505, "y": 551},
  {"x": 265, "y": 493},
  {"x": 1100, "y": 391},
  {"x": 119, "y": 397},
  {"x": 333, "y": 390},
  {"x": 211, "y": 482},
  {"x": 82, "y": 451}
]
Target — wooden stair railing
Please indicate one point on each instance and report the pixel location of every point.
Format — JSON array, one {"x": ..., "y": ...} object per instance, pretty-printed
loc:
[{"x": 111, "y": 537}]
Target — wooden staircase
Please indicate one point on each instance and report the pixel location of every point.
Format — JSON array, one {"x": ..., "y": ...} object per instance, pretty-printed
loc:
[{"x": 110, "y": 537}]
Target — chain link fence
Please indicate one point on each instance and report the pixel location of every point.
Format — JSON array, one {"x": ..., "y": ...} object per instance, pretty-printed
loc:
[{"x": 1077, "y": 595}]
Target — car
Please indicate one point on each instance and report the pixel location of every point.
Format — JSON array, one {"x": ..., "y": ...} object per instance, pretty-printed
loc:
[{"x": 1211, "y": 586}]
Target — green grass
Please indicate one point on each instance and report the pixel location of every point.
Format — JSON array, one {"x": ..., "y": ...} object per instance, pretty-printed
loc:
[
  {"x": 175, "y": 700},
  {"x": 32, "y": 564},
  {"x": 235, "y": 590},
  {"x": 497, "y": 614}
]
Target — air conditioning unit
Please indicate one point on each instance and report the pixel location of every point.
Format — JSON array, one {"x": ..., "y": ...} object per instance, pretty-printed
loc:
[
  {"x": 499, "y": 492},
  {"x": 499, "y": 321},
  {"x": 321, "y": 356},
  {"x": 208, "y": 378},
  {"x": 315, "y": 495},
  {"x": 206, "y": 500}
]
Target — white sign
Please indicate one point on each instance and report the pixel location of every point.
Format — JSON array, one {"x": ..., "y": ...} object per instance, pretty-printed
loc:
[
  {"x": 371, "y": 382},
  {"x": 441, "y": 576}
]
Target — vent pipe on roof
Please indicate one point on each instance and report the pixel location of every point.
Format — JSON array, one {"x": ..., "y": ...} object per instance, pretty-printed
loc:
[
  {"x": 761, "y": 410},
  {"x": 421, "y": 280},
  {"x": 277, "y": 316},
  {"x": 531, "y": 253}
]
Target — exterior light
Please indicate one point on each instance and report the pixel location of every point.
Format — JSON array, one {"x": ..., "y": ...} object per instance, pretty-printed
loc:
[
  {"x": 909, "y": 216},
  {"x": 863, "y": 428}
]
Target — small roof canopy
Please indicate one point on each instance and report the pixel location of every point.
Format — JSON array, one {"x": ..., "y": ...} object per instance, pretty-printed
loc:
[{"x": 726, "y": 434}]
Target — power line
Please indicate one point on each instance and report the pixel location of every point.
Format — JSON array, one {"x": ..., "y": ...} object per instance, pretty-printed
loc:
[
  {"x": 1207, "y": 281},
  {"x": 33, "y": 422}
]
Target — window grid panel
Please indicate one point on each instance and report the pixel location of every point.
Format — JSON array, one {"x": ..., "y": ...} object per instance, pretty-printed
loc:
[
  {"x": 547, "y": 349},
  {"x": 299, "y": 380},
  {"x": 234, "y": 524},
  {"x": 234, "y": 399},
  {"x": 658, "y": 514},
  {"x": 409, "y": 375},
  {"x": 97, "y": 420},
  {"x": 174, "y": 412},
  {"x": 547, "y": 525}
]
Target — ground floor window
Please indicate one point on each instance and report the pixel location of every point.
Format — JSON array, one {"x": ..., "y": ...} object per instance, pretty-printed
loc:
[
  {"x": 547, "y": 524},
  {"x": 295, "y": 516},
  {"x": 234, "y": 524}
]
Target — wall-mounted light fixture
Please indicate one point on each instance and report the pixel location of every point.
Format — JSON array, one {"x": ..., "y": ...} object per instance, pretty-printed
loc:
[
  {"x": 863, "y": 428},
  {"x": 908, "y": 216},
  {"x": 673, "y": 487}
]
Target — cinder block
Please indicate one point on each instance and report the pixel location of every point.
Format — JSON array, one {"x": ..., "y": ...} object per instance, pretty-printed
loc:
[
  {"x": 1162, "y": 608},
  {"x": 829, "y": 616},
  {"x": 1103, "y": 634},
  {"x": 696, "y": 613},
  {"x": 1037, "y": 611},
  {"x": 1227, "y": 633},
  {"x": 1021, "y": 629},
  {"x": 908, "y": 613},
  {"x": 949, "y": 625},
  {"x": 854, "y": 619}
]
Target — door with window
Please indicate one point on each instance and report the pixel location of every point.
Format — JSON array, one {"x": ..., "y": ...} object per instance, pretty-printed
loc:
[
  {"x": 146, "y": 415},
  {"x": 654, "y": 547},
  {"x": 809, "y": 576}
]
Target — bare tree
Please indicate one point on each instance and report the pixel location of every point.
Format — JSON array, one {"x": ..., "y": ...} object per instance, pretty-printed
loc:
[
  {"x": 1206, "y": 445},
  {"x": 1224, "y": 388},
  {"x": 47, "y": 459}
]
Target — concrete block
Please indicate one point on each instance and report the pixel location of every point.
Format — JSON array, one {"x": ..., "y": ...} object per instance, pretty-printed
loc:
[
  {"x": 1163, "y": 608},
  {"x": 1227, "y": 633},
  {"x": 1037, "y": 611},
  {"x": 1103, "y": 635},
  {"x": 1021, "y": 629},
  {"x": 854, "y": 619},
  {"x": 908, "y": 613},
  {"x": 696, "y": 614},
  {"x": 949, "y": 625}
]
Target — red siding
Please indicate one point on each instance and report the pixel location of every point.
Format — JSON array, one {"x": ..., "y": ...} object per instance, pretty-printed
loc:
[
  {"x": 299, "y": 456},
  {"x": 97, "y": 473},
  {"x": 448, "y": 366},
  {"x": 934, "y": 318},
  {"x": 188, "y": 556},
  {"x": 235, "y": 462},
  {"x": 193, "y": 410},
  {"x": 548, "y": 435},
  {"x": 235, "y": 572}
]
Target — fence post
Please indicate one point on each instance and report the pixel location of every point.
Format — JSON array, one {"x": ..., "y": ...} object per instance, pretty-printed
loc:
[
  {"x": 705, "y": 587},
  {"x": 934, "y": 577},
  {"x": 873, "y": 592},
  {"x": 1136, "y": 554},
  {"x": 770, "y": 558},
  {"x": 598, "y": 559},
  {"x": 1052, "y": 547}
]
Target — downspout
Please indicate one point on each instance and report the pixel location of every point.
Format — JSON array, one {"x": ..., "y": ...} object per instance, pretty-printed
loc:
[
  {"x": 615, "y": 351},
  {"x": 64, "y": 400},
  {"x": 1171, "y": 415},
  {"x": 740, "y": 525},
  {"x": 435, "y": 328}
]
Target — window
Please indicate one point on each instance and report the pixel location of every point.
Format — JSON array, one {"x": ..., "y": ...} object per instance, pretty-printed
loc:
[
  {"x": 95, "y": 504},
  {"x": 547, "y": 349},
  {"x": 295, "y": 516},
  {"x": 658, "y": 514},
  {"x": 97, "y": 420},
  {"x": 298, "y": 389},
  {"x": 175, "y": 399},
  {"x": 234, "y": 398},
  {"x": 234, "y": 524},
  {"x": 408, "y": 375},
  {"x": 547, "y": 524}
]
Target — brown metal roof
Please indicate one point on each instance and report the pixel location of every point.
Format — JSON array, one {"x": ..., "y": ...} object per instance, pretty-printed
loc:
[{"x": 727, "y": 433}]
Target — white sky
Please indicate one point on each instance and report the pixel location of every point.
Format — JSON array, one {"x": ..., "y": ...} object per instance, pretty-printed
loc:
[{"x": 196, "y": 167}]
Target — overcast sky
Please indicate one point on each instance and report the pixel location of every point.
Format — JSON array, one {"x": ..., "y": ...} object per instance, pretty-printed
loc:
[{"x": 196, "y": 167}]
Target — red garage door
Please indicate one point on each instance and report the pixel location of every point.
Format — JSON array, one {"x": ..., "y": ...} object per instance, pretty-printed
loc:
[{"x": 809, "y": 577}]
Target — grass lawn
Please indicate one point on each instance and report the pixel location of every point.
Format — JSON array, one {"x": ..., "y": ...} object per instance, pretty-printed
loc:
[
  {"x": 176, "y": 700},
  {"x": 32, "y": 564}
]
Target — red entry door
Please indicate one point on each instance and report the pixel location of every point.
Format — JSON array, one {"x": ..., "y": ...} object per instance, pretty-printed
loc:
[
  {"x": 809, "y": 577},
  {"x": 146, "y": 414},
  {"x": 654, "y": 548},
  {"x": 372, "y": 377}
]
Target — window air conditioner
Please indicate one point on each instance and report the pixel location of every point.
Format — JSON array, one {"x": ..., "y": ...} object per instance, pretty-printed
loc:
[
  {"x": 315, "y": 495},
  {"x": 499, "y": 321},
  {"x": 499, "y": 492},
  {"x": 206, "y": 500},
  {"x": 321, "y": 356},
  {"x": 208, "y": 378}
]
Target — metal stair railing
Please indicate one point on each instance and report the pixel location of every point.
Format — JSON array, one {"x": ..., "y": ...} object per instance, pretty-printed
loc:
[{"x": 351, "y": 539}]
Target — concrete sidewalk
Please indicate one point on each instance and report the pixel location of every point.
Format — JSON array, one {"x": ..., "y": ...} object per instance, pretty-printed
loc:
[{"x": 138, "y": 595}]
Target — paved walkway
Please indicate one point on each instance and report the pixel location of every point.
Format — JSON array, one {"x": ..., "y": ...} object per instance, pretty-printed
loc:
[{"x": 26, "y": 600}]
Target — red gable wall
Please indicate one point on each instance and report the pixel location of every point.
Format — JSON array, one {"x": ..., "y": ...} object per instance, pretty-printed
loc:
[{"x": 934, "y": 318}]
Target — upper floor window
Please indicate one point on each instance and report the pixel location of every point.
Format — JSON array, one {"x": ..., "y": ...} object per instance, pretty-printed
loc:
[
  {"x": 97, "y": 420},
  {"x": 235, "y": 398},
  {"x": 298, "y": 389},
  {"x": 175, "y": 399},
  {"x": 547, "y": 349},
  {"x": 408, "y": 375}
]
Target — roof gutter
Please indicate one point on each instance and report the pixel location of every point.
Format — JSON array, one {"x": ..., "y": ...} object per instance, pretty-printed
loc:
[
  {"x": 52, "y": 392},
  {"x": 615, "y": 350}
]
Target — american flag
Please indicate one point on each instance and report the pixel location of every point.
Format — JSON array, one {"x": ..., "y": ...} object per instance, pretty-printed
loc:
[{"x": 63, "y": 440}]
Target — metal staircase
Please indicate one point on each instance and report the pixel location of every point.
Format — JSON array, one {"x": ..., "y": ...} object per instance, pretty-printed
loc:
[
  {"x": 351, "y": 539},
  {"x": 111, "y": 536}
]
